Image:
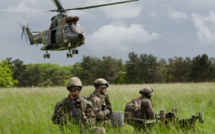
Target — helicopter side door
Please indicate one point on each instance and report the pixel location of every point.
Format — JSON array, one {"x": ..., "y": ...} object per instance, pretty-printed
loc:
[
  {"x": 53, "y": 36},
  {"x": 58, "y": 35}
]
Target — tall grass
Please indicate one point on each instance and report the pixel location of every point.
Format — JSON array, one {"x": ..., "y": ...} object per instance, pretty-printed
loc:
[{"x": 29, "y": 110}]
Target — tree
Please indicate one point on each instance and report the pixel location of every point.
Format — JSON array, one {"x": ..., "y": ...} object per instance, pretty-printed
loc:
[
  {"x": 141, "y": 69},
  {"x": 109, "y": 69},
  {"x": 148, "y": 68},
  {"x": 18, "y": 69},
  {"x": 45, "y": 75},
  {"x": 89, "y": 69},
  {"x": 213, "y": 69},
  {"x": 161, "y": 72},
  {"x": 6, "y": 75},
  {"x": 132, "y": 68},
  {"x": 202, "y": 69},
  {"x": 121, "y": 79},
  {"x": 179, "y": 69}
]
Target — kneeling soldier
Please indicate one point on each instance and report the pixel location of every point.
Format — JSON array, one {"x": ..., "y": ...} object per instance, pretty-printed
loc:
[
  {"x": 101, "y": 103},
  {"x": 139, "y": 111},
  {"x": 75, "y": 110}
]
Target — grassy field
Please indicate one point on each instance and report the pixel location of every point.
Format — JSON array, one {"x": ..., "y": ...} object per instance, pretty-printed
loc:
[{"x": 29, "y": 110}]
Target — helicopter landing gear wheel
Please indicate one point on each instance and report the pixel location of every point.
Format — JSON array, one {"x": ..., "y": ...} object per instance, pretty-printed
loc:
[
  {"x": 73, "y": 51},
  {"x": 46, "y": 55},
  {"x": 76, "y": 51},
  {"x": 69, "y": 55}
]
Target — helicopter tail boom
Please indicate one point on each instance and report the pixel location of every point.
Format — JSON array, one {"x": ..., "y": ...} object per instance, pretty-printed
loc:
[
  {"x": 27, "y": 33},
  {"x": 30, "y": 36}
]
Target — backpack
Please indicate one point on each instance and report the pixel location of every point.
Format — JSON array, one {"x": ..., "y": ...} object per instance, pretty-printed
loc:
[{"x": 132, "y": 109}]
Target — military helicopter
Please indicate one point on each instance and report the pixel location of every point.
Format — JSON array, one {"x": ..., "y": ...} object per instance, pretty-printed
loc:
[{"x": 65, "y": 33}]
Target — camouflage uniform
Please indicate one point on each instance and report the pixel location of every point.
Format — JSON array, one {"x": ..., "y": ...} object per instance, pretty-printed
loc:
[
  {"x": 63, "y": 112},
  {"x": 98, "y": 103},
  {"x": 140, "y": 108},
  {"x": 76, "y": 111}
]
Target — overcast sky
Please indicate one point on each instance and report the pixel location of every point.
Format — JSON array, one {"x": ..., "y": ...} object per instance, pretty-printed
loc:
[{"x": 163, "y": 28}]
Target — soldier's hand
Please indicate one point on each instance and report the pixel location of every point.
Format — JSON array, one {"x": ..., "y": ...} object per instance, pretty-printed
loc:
[
  {"x": 107, "y": 111},
  {"x": 108, "y": 107},
  {"x": 106, "y": 96}
]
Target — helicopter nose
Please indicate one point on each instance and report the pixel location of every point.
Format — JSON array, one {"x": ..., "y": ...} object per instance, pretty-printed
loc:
[{"x": 80, "y": 35}]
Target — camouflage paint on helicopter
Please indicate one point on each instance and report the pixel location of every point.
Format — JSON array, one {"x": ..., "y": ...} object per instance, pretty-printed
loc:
[{"x": 65, "y": 33}]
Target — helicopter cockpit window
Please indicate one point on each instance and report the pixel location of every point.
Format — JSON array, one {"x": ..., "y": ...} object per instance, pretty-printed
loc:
[
  {"x": 68, "y": 32},
  {"x": 78, "y": 28}
]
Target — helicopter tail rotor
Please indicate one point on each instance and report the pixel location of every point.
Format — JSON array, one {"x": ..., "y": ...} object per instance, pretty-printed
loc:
[{"x": 24, "y": 27}]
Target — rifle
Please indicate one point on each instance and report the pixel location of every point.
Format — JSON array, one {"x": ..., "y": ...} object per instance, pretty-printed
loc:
[{"x": 108, "y": 104}]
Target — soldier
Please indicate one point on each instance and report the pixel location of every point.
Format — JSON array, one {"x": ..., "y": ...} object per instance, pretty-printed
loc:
[
  {"x": 140, "y": 109},
  {"x": 100, "y": 101},
  {"x": 75, "y": 109}
]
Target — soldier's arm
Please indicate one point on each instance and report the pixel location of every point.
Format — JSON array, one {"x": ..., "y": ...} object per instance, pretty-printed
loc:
[
  {"x": 58, "y": 115},
  {"x": 97, "y": 108},
  {"x": 89, "y": 116},
  {"x": 149, "y": 110}
]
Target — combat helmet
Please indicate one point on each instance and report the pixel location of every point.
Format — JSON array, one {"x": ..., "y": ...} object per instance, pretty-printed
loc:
[
  {"x": 100, "y": 82},
  {"x": 74, "y": 82},
  {"x": 148, "y": 91}
]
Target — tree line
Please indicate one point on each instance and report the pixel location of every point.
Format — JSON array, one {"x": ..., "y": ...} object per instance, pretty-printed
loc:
[{"x": 143, "y": 68}]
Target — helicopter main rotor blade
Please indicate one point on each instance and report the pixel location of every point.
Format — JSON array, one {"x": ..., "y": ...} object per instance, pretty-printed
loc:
[
  {"x": 21, "y": 10},
  {"x": 95, "y": 6},
  {"x": 59, "y": 7}
]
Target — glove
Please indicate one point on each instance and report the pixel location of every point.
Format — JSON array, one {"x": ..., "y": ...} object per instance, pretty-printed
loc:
[{"x": 107, "y": 111}]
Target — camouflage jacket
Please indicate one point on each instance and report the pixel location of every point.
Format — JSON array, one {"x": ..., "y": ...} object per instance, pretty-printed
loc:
[
  {"x": 140, "y": 108},
  {"x": 98, "y": 103},
  {"x": 77, "y": 111}
]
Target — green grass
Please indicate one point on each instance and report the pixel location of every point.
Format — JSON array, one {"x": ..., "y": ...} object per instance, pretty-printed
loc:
[{"x": 29, "y": 110}]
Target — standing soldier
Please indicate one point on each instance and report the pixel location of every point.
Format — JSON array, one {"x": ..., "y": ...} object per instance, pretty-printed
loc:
[
  {"x": 75, "y": 110},
  {"x": 140, "y": 109},
  {"x": 100, "y": 101}
]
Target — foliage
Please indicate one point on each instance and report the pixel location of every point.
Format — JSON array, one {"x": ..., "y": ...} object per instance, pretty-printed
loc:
[
  {"x": 92, "y": 68},
  {"x": 89, "y": 67},
  {"x": 143, "y": 68},
  {"x": 179, "y": 69},
  {"x": 18, "y": 68},
  {"x": 201, "y": 68},
  {"x": 46, "y": 75},
  {"x": 133, "y": 68},
  {"x": 39, "y": 74},
  {"x": 6, "y": 75},
  {"x": 161, "y": 71}
]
